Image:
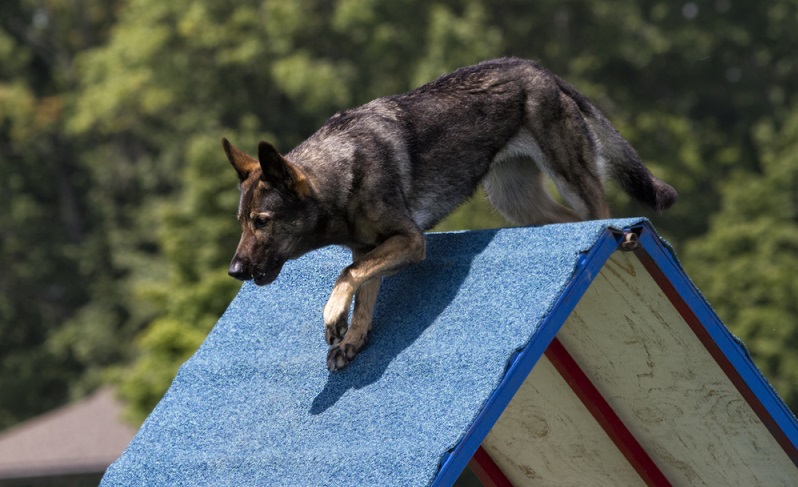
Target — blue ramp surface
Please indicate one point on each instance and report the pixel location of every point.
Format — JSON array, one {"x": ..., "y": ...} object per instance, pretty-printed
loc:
[{"x": 256, "y": 406}]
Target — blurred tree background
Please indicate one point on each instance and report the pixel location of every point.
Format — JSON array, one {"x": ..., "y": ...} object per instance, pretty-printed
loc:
[{"x": 117, "y": 204}]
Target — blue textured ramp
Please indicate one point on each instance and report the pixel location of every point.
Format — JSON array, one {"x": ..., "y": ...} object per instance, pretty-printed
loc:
[{"x": 256, "y": 405}]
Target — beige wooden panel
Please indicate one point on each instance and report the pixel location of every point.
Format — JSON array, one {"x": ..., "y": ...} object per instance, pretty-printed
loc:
[
  {"x": 663, "y": 384},
  {"x": 546, "y": 437}
]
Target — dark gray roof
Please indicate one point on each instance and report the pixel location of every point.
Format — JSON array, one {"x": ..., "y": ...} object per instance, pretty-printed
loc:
[{"x": 83, "y": 437}]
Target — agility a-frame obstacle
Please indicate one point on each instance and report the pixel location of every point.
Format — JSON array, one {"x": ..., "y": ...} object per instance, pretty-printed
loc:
[
  {"x": 576, "y": 352},
  {"x": 676, "y": 396}
]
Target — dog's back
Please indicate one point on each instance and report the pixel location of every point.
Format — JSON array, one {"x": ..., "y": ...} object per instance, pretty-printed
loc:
[{"x": 506, "y": 123}]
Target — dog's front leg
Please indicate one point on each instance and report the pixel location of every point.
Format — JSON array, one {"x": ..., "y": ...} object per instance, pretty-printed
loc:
[
  {"x": 335, "y": 333},
  {"x": 356, "y": 337},
  {"x": 388, "y": 257}
]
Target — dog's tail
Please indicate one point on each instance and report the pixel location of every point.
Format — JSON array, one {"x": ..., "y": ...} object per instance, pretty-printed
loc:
[
  {"x": 623, "y": 164},
  {"x": 619, "y": 160}
]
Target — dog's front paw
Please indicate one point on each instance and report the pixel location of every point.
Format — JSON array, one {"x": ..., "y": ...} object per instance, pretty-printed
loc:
[
  {"x": 339, "y": 356},
  {"x": 334, "y": 332},
  {"x": 336, "y": 313}
]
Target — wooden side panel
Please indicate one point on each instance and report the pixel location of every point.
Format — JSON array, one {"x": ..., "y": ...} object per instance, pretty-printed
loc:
[
  {"x": 547, "y": 437},
  {"x": 653, "y": 371},
  {"x": 486, "y": 470}
]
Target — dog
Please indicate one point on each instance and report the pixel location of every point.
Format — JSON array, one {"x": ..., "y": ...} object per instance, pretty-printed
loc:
[{"x": 374, "y": 178}]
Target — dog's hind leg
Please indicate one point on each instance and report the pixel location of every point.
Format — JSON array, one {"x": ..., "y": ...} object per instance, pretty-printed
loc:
[
  {"x": 565, "y": 149},
  {"x": 578, "y": 180},
  {"x": 516, "y": 188}
]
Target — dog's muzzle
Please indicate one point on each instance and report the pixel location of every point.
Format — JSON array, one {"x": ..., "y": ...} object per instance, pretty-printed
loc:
[
  {"x": 244, "y": 271},
  {"x": 238, "y": 270}
]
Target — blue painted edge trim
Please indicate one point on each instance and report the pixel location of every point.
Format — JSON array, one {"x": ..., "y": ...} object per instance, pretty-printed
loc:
[
  {"x": 728, "y": 344},
  {"x": 522, "y": 362}
]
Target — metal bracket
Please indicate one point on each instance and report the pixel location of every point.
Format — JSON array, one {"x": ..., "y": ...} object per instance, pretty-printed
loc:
[{"x": 630, "y": 242}]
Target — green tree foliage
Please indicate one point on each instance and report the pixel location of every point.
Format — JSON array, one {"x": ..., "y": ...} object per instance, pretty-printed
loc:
[
  {"x": 51, "y": 255},
  {"x": 749, "y": 259},
  {"x": 117, "y": 205}
]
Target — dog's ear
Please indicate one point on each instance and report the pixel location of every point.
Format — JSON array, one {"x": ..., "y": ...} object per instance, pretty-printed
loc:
[
  {"x": 243, "y": 163},
  {"x": 281, "y": 173}
]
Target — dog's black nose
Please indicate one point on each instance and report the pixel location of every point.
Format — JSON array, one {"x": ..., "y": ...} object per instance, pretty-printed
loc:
[{"x": 238, "y": 270}]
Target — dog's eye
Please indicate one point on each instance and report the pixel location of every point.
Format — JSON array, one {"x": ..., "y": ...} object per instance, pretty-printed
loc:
[{"x": 260, "y": 221}]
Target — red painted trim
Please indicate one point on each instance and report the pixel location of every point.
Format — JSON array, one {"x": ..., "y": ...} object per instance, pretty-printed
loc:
[
  {"x": 605, "y": 415},
  {"x": 487, "y": 471},
  {"x": 717, "y": 354}
]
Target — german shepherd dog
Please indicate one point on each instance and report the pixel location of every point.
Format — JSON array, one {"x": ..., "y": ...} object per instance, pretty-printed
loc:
[{"x": 373, "y": 178}]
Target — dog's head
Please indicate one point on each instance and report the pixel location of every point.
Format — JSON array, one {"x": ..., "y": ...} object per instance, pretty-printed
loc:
[{"x": 273, "y": 211}]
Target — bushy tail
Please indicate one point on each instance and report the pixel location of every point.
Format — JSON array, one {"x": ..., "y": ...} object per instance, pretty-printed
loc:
[
  {"x": 620, "y": 160},
  {"x": 624, "y": 165}
]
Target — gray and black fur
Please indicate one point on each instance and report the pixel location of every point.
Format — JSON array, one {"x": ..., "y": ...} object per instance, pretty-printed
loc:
[{"x": 373, "y": 178}]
